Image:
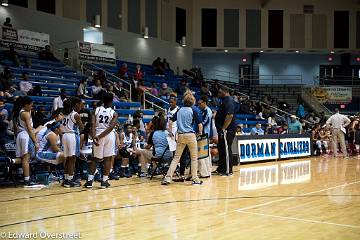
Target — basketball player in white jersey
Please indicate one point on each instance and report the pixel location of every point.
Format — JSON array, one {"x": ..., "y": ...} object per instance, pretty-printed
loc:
[
  {"x": 71, "y": 138},
  {"x": 25, "y": 136},
  {"x": 49, "y": 145},
  {"x": 104, "y": 120},
  {"x": 126, "y": 149},
  {"x": 173, "y": 109},
  {"x": 56, "y": 116}
]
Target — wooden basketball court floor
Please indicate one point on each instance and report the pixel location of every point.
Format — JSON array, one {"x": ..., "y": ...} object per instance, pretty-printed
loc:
[{"x": 312, "y": 198}]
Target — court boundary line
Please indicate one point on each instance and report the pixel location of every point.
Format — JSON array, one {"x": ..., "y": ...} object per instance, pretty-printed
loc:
[
  {"x": 151, "y": 204},
  {"x": 288, "y": 198},
  {"x": 300, "y": 219}
]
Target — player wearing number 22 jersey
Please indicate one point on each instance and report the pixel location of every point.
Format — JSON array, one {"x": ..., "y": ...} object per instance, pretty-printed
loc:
[{"x": 103, "y": 120}]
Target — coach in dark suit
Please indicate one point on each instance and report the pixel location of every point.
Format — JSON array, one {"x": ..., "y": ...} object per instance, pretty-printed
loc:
[{"x": 226, "y": 128}]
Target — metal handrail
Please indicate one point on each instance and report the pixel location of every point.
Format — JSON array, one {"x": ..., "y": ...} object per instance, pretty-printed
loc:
[
  {"x": 113, "y": 75},
  {"x": 130, "y": 88}
]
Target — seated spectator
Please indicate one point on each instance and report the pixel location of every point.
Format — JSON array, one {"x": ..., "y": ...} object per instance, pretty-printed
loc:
[
  {"x": 257, "y": 130},
  {"x": 81, "y": 91},
  {"x": 312, "y": 118},
  {"x": 139, "y": 74},
  {"x": 284, "y": 129},
  {"x": 100, "y": 75},
  {"x": 165, "y": 65},
  {"x": 120, "y": 91},
  {"x": 7, "y": 23},
  {"x": 11, "y": 55},
  {"x": 205, "y": 90},
  {"x": 271, "y": 119},
  {"x": 294, "y": 125},
  {"x": 181, "y": 88},
  {"x": 47, "y": 54},
  {"x": 158, "y": 67},
  {"x": 270, "y": 129},
  {"x": 4, "y": 114},
  {"x": 165, "y": 92},
  {"x": 97, "y": 90},
  {"x": 5, "y": 79},
  {"x": 59, "y": 101},
  {"x": 158, "y": 141},
  {"x": 154, "y": 89},
  {"x": 25, "y": 85},
  {"x": 123, "y": 71},
  {"x": 239, "y": 130},
  {"x": 110, "y": 89}
]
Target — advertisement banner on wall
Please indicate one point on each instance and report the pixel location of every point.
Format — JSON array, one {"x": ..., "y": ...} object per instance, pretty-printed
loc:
[
  {"x": 258, "y": 149},
  {"x": 335, "y": 95},
  {"x": 295, "y": 147},
  {"x": 96, "y": 53},
  {"x": 23, "y": 39}
]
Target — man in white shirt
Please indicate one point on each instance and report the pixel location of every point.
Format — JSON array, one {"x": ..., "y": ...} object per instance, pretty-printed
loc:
[
  {"x": 59, "y": 101},
  {"x": 25, "y": 85},
  {"x": 338, "y": 122}
]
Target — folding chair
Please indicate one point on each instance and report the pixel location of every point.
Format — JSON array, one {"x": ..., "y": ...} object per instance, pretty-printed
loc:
[{"x": 160, "y": 164}]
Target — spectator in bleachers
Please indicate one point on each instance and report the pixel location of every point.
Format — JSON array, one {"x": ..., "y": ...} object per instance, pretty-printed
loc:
[
  {"x": 205, "y": 90},
  {"x": 25, "y": 85},
  {"x": 100, "y": 75},
  {"x": 284, "y": 129},
  {"x": 165, "y": 65},
  {"x": 165, "y": 92},
  {"x": 270, "y": 129},
  {"x": 158, "y": 67},
  {"x": 271, "y": 119},
  {"x": 239, "y": 130},
  {"x": 123, "y": 71},
  {"x": 120, "y": 91},
  {"x": 181, "y": 88},
  {"x": 97, "y": 90},
  {"x": 300, "y": 111},
  {"x": 139, "y": 74},
  {"x": 5, "y": 82},
  {"x": 294, "y": 125},
  {"x": 4, "y": 114},
  {"x": 59, "y": 101},
  {"x": 7, "y": 23},
  {"x": 11, "y": 55},
  {"x": 81, "y": 91},
  {"x": 257, "y": 130},
  {"x": 154, "y": 89},
  {"x": 312, "y": 118},
  {"x": 47, "y": 54}
]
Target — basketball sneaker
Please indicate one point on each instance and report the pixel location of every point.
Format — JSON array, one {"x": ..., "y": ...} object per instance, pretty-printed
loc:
[
  {"x": 88, "y": 184},
  {"x": 105, "y": 184}
]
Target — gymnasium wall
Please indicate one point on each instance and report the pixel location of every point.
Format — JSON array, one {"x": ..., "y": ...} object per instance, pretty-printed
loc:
[{"x": 129, "y": 46}]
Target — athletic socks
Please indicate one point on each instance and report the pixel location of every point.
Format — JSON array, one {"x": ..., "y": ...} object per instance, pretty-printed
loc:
[
  {"x": 70, "y": 178},
  {"x": 66, "y": 176},
  {"x": 90, "y": 177},
  {"x": 27, "y": 178},
  {"x": 105, "y": 178}
]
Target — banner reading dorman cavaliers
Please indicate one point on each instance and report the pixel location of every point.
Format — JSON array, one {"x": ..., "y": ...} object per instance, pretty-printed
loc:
[
  {"x": 23, "y": 39},
  {"x": 96, "y": 52}
]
